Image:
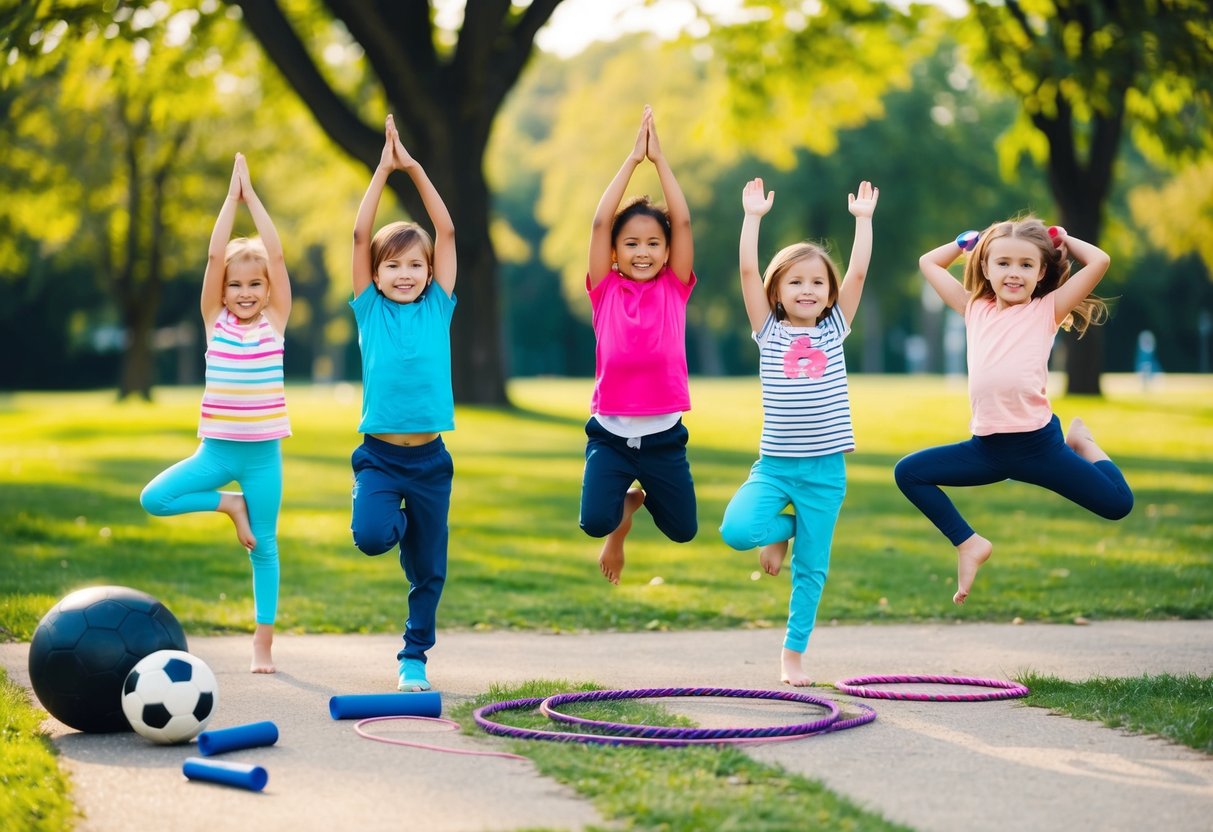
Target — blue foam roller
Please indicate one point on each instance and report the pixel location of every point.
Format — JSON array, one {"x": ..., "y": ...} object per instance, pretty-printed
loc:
[
  {"x": 242, "y": 775},
  {"x": 365, "y": 705},
  {"x": 241, "y": 736}
]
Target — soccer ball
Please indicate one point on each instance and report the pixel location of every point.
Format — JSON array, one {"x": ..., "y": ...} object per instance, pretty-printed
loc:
[
  {"x": 86, "y": 645},
  {"x": 169, "y": 696}
]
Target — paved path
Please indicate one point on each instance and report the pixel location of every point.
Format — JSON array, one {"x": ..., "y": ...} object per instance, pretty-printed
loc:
[{"x": 932, "y": 766}]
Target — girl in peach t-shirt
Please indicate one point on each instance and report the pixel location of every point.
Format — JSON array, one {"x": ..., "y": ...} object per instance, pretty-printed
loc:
[{"x": 1017, "y": 291}]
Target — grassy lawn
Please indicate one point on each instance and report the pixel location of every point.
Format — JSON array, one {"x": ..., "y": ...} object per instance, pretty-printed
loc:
[
  {"x": 33, "y": 791},
  {"x": 1177, "y": 707},
  {"x": 72, "y": 467},
  {"x": 695, "y": 788}
]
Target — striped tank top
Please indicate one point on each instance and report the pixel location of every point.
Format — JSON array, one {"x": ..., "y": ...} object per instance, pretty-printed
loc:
[{"x": 244, "y": 399}]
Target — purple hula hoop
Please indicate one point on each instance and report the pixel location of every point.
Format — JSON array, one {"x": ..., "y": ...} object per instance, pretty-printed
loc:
[
  {"x": 1002, "y": 689},
  {"x": 629, "y": 734}
]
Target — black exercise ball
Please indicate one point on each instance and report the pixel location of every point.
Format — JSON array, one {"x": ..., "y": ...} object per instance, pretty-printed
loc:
[{"x": 87, "y": 643}]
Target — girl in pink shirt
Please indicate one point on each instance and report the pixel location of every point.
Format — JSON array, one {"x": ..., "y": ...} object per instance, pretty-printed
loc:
[
  {"x": 1017, "y": 291},
  {"x": 639, "y": 282}
]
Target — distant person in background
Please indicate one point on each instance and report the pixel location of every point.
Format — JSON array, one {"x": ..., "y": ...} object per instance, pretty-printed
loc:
[
  {"x": 1146, "y": 360},
  {"x": 246, "y": 300},
  {"x": 639, "y": 282},
  {"x": 1017, "y": 291},
  {"x": 799, "y": 314},
  {"x": 404, "y": 285}
]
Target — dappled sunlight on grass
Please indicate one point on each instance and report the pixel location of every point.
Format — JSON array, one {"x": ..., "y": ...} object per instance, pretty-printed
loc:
[{"x": 72, "y": 467}]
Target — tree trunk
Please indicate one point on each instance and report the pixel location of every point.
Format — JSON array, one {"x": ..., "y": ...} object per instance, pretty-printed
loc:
[
  {"x": 138, "y": 359},
  {"x": 444, "y": 105},
  {"x": 1084, "y": 360},
  {"x": 477, "y": 355},
  {"x": 312, "y": 284},
  {"x": 477, "y": 366}
]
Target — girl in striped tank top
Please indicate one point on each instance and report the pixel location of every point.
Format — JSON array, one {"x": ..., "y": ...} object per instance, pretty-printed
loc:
[
  {"x": 800, "y": 317},
  {"x": 246, "y": 300}
]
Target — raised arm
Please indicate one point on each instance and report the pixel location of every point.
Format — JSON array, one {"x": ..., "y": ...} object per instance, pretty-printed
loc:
[
  {"x": 608, "y": 204},
  {"x": 862, "y": 207},
  {"x": 682, "y": 243},
  {"x": 440, "y": 217},
  {"x": 212, "y": 278},
  {"x": 1074, "y": 291},
  {"x": 278, "y": 308},
  {"x": 934, "y": 267},
  {"x": 755, "y": 205},
  {"x": 364, "y": 224}
]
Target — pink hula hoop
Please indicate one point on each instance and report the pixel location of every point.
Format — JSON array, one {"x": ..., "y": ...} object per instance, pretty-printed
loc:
[{"x": 1000, "y": 688}]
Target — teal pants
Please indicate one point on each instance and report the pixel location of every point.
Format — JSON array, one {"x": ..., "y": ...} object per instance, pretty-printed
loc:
[
  {"x": 193, "y": 485},
  {"x": 814, "y": 487}
]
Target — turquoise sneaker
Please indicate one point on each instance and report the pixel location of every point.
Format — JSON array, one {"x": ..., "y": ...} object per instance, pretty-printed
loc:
[{"x": 412, "y": 676}]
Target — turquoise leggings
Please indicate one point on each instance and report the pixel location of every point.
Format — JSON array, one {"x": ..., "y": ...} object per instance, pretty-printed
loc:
[
  {"x": 814, "y": 486},
  {"x": 192, "y": 485}
]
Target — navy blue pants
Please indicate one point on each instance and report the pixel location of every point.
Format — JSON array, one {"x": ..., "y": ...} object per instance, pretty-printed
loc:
[
  {"x": 386, "y": 475},
  {"x": 1039, "y": 457},
  {"x": 659, "y": 464}
]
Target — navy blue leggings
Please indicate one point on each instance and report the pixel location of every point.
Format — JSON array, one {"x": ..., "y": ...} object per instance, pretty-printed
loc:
[
  {"x": 659, "y": 464},
  {"x": 385, "y": 475},
  {"x": 1039, "y": 457}
]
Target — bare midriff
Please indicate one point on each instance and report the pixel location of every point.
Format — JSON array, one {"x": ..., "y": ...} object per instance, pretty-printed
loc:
[{"x": 406, "y": 439}]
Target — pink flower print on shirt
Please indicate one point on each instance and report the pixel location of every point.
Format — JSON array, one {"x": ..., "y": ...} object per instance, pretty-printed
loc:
[{"x": 802, "y": 359}]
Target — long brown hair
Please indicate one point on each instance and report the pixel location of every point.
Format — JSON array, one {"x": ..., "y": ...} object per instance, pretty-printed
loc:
[
  {"x": 783, "y": 261},
  {"x": 1056, "y": 271}
]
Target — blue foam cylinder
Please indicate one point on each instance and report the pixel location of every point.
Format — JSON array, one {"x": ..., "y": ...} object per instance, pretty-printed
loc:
[
  {"x": 241, "y": 775},
  {"x": 365, "y": 705},
  {"x": 241, "y": 736}
]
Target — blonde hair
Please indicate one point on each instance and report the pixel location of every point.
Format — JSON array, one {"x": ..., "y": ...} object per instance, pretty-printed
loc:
[
  {"x": 1056, "y": 271},
  {"x": 246, "y": 250},
  {"x": 396, "y": 237},
  {"x": 784, "y": 260}
]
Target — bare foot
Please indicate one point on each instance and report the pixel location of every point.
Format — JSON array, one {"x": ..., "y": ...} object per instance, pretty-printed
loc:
[
  {"x": 970, "y": 555},
  {"x": 771, "y": 556},
  {"x": 1080, "y": 439},
  {"x": 232, "y": 504},
  {"x": 263, "y": 642},
  {"x": 790, "y": 672},
  {"x": 611, "y": 559}
]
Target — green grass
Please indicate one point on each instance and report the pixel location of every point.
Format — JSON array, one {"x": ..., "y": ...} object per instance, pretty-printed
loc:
[
  {"x": 672, "y": 789},
  {"x": 1177, "y": 707},
  {"x": 72, "y": 467},
  {"x": 34, "y": 793}
]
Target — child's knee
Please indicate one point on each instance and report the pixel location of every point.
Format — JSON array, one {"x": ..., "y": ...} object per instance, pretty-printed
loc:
[
  {"x": 375, "y": 541},
  {"x": 685, "y": 535},
  {"x": 681, "y": 532},
  {"x": 154, "y": 501},
  {"x": 903, "y": 474},
  {"x": 739, "y": 536},
  {"x": 598, "y": 525},
  {"x": 1120, "y": 510},
  {"x": 265, "y": 553}
]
